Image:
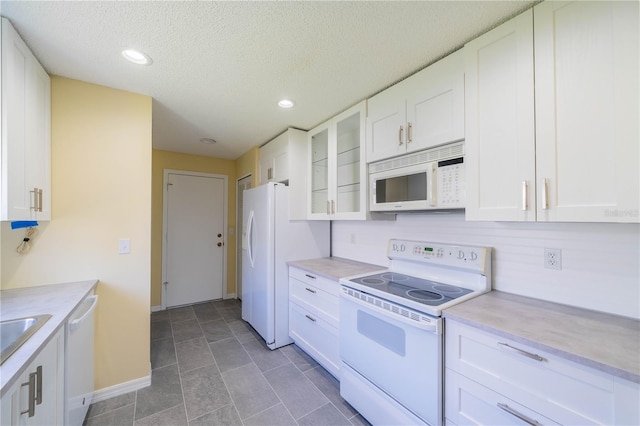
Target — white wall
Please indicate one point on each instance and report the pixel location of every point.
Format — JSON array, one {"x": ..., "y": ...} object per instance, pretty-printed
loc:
[{"x": 600, "y": 262}]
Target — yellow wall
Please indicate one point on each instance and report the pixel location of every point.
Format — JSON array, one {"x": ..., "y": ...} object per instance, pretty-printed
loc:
[
  {"x": 248, "y": 164},
  {"x": 100, "y": 183},
  {"x": 194, "y": 163}
]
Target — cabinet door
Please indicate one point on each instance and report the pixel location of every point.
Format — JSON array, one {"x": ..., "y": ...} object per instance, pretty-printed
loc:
[
  {"x": 274, "y": 160},
  {"x": 16, "y": 199},
  {"x": 26, "y": 132},
  {"x": 500, "y": 134},
  {"x": 50, "y": 409},
  {"x": 350, "y": 168},
  {"x": 319, "y": 205},
  {"x": 587, "y": 150},
  {"x": 386, "y": 124},
  {"x": 435, "y": 104},
  {"x": 38, "y": 138},
  {"x": 265, "y": 168}
]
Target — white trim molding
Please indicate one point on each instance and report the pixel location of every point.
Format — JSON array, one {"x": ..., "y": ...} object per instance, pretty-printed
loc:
[{"x": 121, "y": 389}]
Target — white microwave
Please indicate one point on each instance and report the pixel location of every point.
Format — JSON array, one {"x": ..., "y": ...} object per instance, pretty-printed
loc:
[{"x": 427, "y": 180}]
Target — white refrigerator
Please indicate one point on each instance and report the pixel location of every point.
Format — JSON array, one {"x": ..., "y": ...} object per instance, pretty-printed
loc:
[{"x": 269, "y": 240}]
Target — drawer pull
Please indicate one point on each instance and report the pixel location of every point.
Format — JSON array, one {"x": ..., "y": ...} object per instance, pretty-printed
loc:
[
  {"x": 523, "y": 353},
  {"x": 310, "y": 276},
  {"x": 310, "y": 290},
  {"x": 521, "y": 416},
  {"x": 310, "y": 317},
  {"x": 32, "y": 395}
]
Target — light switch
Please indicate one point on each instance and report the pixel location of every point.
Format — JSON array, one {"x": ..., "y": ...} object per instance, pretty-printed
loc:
[{"x": 124, "y": 246}]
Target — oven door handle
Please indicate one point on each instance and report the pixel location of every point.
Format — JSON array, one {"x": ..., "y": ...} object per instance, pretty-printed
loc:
[{"x": 434, "y": 326}]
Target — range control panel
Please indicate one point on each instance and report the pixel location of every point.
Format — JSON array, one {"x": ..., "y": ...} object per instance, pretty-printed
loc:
[{"x": 461, "y": 256}]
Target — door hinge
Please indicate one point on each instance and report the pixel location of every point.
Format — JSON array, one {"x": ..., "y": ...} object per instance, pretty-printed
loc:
[
  {"x": 166, "y": 282},
  {"x": 168, "y": 185}
]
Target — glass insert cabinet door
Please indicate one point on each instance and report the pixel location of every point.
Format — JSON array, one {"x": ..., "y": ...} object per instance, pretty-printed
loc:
[
  {"x": 320, "y": 172},
  {"x": 348, "y": 185}
]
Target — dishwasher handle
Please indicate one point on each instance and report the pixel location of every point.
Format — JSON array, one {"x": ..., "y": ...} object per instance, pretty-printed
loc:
[{"x": 74, "y": 324}]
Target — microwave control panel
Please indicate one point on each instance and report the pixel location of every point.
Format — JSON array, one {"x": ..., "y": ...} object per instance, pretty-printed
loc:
[{"x": 451, "y": 184}]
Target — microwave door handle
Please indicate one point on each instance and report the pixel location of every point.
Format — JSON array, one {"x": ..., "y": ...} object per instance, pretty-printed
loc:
[{"x": 433, "y": 186}]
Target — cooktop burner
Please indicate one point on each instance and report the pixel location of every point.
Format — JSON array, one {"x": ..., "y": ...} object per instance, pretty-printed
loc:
[{"x": 412, "y": 288}]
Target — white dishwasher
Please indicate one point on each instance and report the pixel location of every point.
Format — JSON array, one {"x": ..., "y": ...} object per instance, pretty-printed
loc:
[{"x": 79, "y": 362}]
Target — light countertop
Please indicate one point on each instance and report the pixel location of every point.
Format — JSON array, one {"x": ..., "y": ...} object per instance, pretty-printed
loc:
[
  {"x": 602, "y": 341},
  {"x": 335, "y": 268},
  {"x": 58, "y": 300}
]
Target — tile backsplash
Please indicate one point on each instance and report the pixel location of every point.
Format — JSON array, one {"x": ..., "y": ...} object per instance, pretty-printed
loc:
[{"x": 600, "y": 261}]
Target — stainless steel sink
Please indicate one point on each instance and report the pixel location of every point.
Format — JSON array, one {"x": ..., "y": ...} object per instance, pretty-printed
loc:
[{"x": 13, "y": 333}]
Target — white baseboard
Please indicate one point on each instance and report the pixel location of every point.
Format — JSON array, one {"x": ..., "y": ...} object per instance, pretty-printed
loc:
[
  {"x": 156, "y": 308},
  {"x": 121, "y": 389},
  {"x": 229, "y": 296}
]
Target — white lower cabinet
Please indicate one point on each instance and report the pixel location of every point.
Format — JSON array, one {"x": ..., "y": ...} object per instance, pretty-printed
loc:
[
  {"x": 37, "y": 398},
  {"x": 493, "y": 380},
  {"x": 314, "y": 306}
]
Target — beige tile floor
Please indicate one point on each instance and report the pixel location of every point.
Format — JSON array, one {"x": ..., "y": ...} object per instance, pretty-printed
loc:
[{"x": 211, "y": 368}]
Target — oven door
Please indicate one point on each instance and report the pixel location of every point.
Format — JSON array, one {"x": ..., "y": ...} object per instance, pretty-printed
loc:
[{"x": 393, "y": 357}]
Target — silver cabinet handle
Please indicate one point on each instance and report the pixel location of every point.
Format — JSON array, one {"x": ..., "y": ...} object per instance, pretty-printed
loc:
[
  {"x": 37, "y": 199},
  {"x": 525, "y": 195},
  {"x": 39, "y": 385},
  {"x": 545, "y": 196},
  {"x": 31, "y": 410},
  {"x": 333, "y": 207},
  {"x": 310, "y": 317},
  {"x": 409, "y": 133},
  {"x": 521, "y": 352},
  {"x": 310, "y": 276},
  {"x": 400, "y": 136},
  {"x": 521, "y": 416},
  {"x": 328, "y": 207},
  {"x": 310, "y": 290}
]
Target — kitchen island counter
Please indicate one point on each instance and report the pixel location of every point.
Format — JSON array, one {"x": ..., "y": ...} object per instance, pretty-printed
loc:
[
  {"x": 598, "y": 340},
  {"x": 57, "y": 300},
  {"x": 335, "y": 268}
]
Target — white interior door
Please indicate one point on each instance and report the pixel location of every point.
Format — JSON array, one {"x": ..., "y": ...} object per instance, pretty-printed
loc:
[
  {"x": 244, "y": 183},
  {"x": 194, "y": 226}
]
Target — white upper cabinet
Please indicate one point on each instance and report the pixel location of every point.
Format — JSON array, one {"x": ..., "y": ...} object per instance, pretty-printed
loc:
[
  {"x": 425, "y": 110},
  {"x": 283, "y": 159},
  {"x": 273, "y": 165},
  {"x": 587, "y": 139},
  {"x": 337, "y": 171},
  {"x": 25, "y": 156},
  {"x": 575, "y": 157},
  {"x": 500, "y": 127}
]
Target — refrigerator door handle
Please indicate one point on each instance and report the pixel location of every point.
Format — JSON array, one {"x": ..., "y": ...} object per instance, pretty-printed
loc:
[{"x": 249, "y": 235}]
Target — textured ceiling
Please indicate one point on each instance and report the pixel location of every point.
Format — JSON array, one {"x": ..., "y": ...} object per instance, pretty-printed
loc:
[{"x": 219, "y": 68}]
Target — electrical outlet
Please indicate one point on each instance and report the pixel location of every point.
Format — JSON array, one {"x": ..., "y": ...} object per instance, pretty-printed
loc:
[{"x": 553, "y": 258}]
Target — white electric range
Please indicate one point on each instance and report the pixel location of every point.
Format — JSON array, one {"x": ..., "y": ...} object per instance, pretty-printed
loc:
[{"x": 391, "y": 339}]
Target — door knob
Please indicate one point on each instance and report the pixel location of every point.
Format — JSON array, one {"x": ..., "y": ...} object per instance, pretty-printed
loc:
[
  {"x": 220, "y": 244},
  {"x": 219, "y": 235}
]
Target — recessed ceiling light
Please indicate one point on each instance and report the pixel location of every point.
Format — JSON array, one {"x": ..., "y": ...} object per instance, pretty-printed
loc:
[
  {"x": 286, "y": 103},
  {"x": 137, "y": 57},
  {"x": 208, "y": 141}
]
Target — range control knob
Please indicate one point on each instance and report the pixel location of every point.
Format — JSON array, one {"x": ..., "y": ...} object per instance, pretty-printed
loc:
[
  {"x": 460, "y": 254},
  {"x": 474, "y": 255}
]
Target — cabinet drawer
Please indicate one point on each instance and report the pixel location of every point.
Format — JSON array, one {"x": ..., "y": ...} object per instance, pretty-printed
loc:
[
  {"x": 322, "y": 283},
  {"x": 564, "y": 391},
  {"x": 316, "y": 337},
  {"x": 313, "y": 299},
  {"x": 470, "y": 403}
]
